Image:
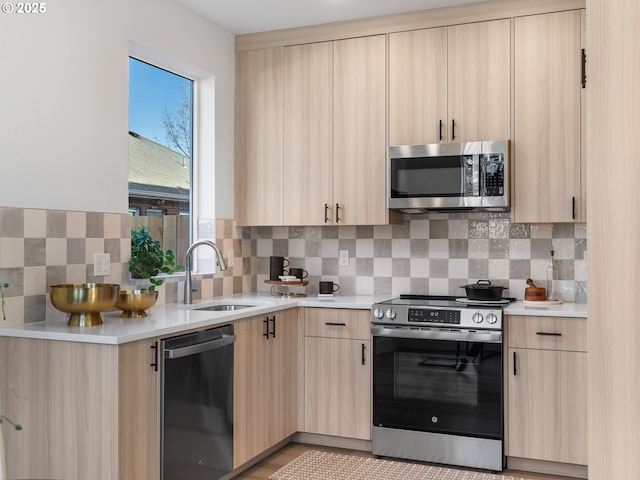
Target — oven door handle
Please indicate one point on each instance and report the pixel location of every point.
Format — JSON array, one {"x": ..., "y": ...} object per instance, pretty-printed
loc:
[{"x": 486, "y": 336}]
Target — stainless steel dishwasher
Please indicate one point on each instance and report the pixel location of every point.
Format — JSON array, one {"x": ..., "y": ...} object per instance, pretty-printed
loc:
[{"x": 197, "y": 406}]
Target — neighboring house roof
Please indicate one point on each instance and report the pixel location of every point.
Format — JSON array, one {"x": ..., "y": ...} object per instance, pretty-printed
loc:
[{"x": 156, "y": 171}]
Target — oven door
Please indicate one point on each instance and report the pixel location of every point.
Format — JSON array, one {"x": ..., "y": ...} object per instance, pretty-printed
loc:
[{"x": 438, "y": 381}]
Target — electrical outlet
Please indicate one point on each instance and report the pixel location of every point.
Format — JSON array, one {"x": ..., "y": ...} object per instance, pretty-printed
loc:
[
  {"x": 101, "y": 264},
  {"x": 343, "y": 258},
  {"x": 230, "y": 257}
]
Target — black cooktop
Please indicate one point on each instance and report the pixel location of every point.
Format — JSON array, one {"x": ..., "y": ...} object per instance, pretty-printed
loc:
[{"x": 441, "y": 301}]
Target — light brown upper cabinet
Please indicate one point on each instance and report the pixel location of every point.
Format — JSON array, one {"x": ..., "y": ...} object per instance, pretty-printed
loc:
[
  {"x": 547, "y": 133},
  {"x": 450, "y": 84},
  {"x": 359, "y": 146},
  {"x": 334, "y": 133},
  {"x": 259, "y": 137},
  {"x": 308, "y": 133}
]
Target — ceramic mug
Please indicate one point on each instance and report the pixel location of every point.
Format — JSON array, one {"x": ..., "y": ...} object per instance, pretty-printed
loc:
[
  {"x": 301, "y": 273},
  {"x": 276, "y": 267},
  {"x": 328, "y": 288}
]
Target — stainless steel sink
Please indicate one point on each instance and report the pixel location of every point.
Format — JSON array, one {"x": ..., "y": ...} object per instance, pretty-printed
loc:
[{"x": 224, "y": 307}]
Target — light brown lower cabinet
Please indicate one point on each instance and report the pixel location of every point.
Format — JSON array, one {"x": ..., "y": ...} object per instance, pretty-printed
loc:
[
  {"x": 547, "y": 389},
  {"x": 337, "y": 388},
  {"x": 87, "y": 410},
  {"x": 265, "y": 383}
]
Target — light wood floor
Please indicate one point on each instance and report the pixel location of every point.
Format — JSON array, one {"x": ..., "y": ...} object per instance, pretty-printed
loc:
[{"x": 269, "y": 465}]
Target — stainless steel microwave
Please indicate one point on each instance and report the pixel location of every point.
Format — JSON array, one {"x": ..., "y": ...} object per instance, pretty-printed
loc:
[{"x": 449, "y": 176}]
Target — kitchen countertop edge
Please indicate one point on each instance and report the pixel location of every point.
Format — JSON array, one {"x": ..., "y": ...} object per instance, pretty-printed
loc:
[
  {"x": 567, "y": 309},
  {"x": 174, "y": 319}
]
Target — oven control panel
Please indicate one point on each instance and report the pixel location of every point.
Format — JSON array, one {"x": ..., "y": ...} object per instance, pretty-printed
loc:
[
  {"x": 433, "y": 316},
  {"x": 471, "y": 317}
]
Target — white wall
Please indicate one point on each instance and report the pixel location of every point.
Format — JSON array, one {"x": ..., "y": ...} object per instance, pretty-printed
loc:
[{"x": 63, "y": 99}]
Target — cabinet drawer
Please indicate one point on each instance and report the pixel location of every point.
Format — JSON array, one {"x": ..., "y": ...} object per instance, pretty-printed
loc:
[
  {"x": 547, "y": 333},
  {"x": 337, "y": 323}
]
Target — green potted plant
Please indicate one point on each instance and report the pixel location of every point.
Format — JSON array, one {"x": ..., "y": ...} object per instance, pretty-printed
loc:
[{"x": 148, "y": 259}]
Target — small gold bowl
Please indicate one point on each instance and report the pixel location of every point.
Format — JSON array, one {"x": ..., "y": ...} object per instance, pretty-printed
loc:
[
  {"x": 133, "y": 303},
  {"x": 84, "y": 301}
]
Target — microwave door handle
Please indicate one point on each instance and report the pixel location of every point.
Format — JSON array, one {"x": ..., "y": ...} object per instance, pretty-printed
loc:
[
  {"x": 476, "y": 175},
  {"x": 474, "y": 181}
]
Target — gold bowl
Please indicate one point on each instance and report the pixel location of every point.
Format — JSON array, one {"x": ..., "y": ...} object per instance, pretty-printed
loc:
[
  {"x": 133, "y": 303},
  {"x": 84, "y": 301}
]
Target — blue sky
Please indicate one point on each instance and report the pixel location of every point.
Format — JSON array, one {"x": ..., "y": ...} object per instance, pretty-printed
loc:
[{"x": 151, "y": 89}]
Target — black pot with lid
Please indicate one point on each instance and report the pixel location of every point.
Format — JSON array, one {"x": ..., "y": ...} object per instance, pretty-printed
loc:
[{"x": 483, "y": 290}]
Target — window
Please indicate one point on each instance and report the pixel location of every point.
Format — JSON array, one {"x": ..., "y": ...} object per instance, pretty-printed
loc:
[{"x": 160, "y": 154}]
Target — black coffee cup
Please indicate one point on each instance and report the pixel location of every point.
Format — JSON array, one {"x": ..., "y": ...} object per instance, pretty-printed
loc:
[
  {"x": 300, "y": 273},
  {"x": 276, "y": 267},
  {"x": 328, "y": 288}
]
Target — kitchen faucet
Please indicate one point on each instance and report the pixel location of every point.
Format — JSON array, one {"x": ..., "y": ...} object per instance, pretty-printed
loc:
[{"x": 188, "y": 289}]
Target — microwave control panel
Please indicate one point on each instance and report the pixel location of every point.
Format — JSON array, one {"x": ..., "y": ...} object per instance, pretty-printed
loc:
[{"x": 493, "y": 175}]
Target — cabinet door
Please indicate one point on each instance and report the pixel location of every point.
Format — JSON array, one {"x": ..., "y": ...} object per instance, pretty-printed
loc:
[
  {"x": 250, "y": 423},
  {"x": 418, "y": 87},
  {"x": 337, "y": 323},
  {"x": 359, "y": 105},
  {"x": 338, "y": 387},
  {"x": 265, "y": 383},
  {"x": 479, "y": 69},
  {"x": 548, "y": 405},
  {"x": 66, "y": 396},
  {"x": 138, "y": 402},
  {"x": 547, "y": 118},
  {"x": 581, "y": 209},
  {"x": 259, "y": 134},
  {"x": 282, "y": 374},
  {"x": 308, "y": 134}
]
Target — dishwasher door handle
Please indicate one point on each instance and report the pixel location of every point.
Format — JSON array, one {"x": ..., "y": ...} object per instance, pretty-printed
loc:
[{"x": 199, "y": 347}]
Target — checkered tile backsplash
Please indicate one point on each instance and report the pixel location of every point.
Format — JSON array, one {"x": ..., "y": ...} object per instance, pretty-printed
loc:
[{"x": 430, "y": 253}]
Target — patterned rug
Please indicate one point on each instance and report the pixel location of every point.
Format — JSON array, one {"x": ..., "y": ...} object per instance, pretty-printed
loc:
[{"x": 316, "y": 465}]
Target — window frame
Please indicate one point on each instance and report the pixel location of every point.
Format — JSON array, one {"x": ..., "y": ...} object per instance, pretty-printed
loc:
[{"x": 202, "y": 205}]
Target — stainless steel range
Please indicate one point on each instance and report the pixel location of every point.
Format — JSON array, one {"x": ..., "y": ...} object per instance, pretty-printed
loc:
[{"x": 438, "y": 381}]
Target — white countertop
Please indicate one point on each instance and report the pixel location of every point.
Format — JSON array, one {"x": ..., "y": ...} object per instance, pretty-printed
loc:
[
  {"x": 567, "y": 309},
  {"x": 165, "y": 320}
]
